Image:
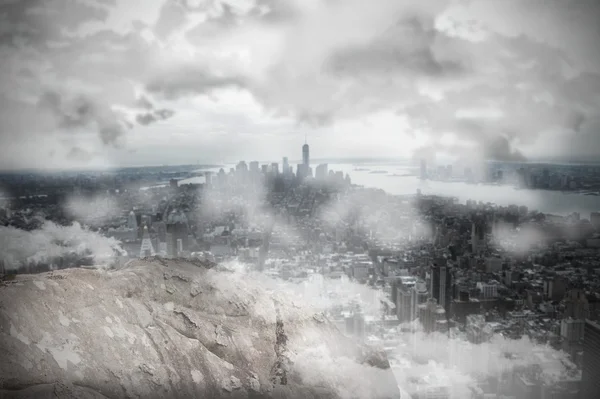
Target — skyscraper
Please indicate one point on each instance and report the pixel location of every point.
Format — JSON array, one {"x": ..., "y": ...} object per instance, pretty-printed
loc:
[
  {"x": 423, "y": 169},
  {"x": 132, "y": 221},
  {"x": 275, "y": 168},
  {"x": 590, "y": 377},
  {"x": 478, "y": 236},
  {"x": 285, "y": 166},
  {"x": 305, "y": 157},
  {"x": 321, "y": 172},
  {"x": 441, "y": 283}
]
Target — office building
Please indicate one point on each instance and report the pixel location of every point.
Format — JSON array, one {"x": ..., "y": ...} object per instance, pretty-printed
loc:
[
  {"x": 132, "y": 221},
  {"x": 478, "y": 242},
  {"x": 441, "y": 283},
  {"x": 285, "y": 166},
  {"x": 321, "y": 172},
  {"x": 572, "y": 330},
  {"x": 433, "y": 317},
  {"x": 591, "y": 361}
]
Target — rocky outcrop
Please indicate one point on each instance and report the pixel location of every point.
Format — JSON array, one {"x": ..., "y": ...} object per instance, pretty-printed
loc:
[{"x": 173, "y": 329}]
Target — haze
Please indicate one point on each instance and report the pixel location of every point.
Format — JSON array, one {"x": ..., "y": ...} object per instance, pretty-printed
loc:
[{"x": 111, "y": 83}]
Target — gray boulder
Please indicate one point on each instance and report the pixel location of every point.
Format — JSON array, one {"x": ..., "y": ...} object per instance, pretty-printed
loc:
[{"x": 173, "y": 329}]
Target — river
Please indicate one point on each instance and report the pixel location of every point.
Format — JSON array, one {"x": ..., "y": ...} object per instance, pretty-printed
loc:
[{"x": 555, "y": 202}]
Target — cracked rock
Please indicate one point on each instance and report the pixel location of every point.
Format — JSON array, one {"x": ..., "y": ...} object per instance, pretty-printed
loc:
[
  {"x": 235, "y": 382},
  {"x": 254, "y": 384},
  {"x": 221, "y": 337},
  {"x": 195, "y": 290},
  {"x": 147, "y": 369}
]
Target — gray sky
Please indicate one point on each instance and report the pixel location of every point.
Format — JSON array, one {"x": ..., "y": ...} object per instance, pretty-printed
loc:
[{"x": 112, "y": 82}]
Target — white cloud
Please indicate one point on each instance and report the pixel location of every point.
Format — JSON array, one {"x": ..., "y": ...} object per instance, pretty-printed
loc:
[
  {"x": 51, "y": 242},
  {"x": 327, "y": 65}
]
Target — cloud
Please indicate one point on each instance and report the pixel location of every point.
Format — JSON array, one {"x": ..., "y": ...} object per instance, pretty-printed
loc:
[
  {"x": 79, "y": 154},
  {"x": 158, "y": 115},
  {"x": 50, "y": 243},
  {"x": 82, "y": 111},
  {"x": 427, "y": 360},
  {"x": 188, "y": 80},
  {"x": 420, "y": 361},
  {"x": 316, "y": 62},
  {"x": 144, "y": 103},
  {"x": 92, "y": 210}
]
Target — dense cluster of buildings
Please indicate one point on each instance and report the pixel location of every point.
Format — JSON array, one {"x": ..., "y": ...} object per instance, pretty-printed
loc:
[{"x": 560, "y": 177}]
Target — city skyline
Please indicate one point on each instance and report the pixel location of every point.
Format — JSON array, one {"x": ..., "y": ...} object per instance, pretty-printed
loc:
[{"x": 350, "y": 199}]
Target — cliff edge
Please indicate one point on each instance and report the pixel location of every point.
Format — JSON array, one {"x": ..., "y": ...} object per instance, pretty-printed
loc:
[{"x": 174, "y": 329}]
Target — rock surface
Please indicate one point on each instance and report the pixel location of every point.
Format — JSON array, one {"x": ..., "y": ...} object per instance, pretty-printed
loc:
[{"x": 172, "y": 329}]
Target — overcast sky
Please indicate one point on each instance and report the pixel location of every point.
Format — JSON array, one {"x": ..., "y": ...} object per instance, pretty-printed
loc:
[{"x": 124, "y": 82}]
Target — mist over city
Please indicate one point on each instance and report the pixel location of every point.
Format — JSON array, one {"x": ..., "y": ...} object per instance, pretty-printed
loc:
[{"x": 300, "y": 199}]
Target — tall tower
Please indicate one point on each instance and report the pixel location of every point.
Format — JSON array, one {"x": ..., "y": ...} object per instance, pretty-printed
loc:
[
  {"x": 305, "y": 156},
  {"x": 146, "y": 249}
]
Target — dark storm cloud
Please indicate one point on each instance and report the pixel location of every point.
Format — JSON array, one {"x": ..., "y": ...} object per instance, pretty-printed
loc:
[
  {"x": 36, "y": 22},
  {"x": 79, "y": 154},
  {"x": 158, "y": 115},
  {"x": 189, "y": 80},
  {"x": 144, "y": 103},
  {"x": 315, "y": 119},
  {"x": 213, "y": 27},
  {"x": 320, "y": 62},
  {"x": 406, "y": 47},
  {"x": 308, "y": 87},
  {"x": 498, "y": 148},
  {"x": 173, "y": 15},
  {"x": 81, "y": 112}
]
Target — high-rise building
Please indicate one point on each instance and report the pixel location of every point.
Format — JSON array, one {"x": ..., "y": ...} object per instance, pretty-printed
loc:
[
  {"x": 132, "y": 221},
  {"x": 285, "y": 166},
  {"x": 478, "y": 236},
  {"x": 241, "y": 167},
  {"x": 433, "y": 317},
  {"x": 254, "y": 168},
  {"x": 441, "y": 283},
  {"x": 595, "y": 220},
  {"x": 576, "y": 305},
  {"x": 305, "y": 156},
  {"x": 572, "y": 330},
  {"x": 208, "y": 178},
  {"x": 300, "y": 171},
  {"x": 590, "y": 378},
  {"x": 170, "y": 245},
  {"x": 275, "y": 168},
  {"x": 321, "y": 172},
  {"x": 409, "y": 295},
  {"x": 478, "y": 331},
  {"x": 423, "y": 169},
  {"x": 177, "y": 228}
]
